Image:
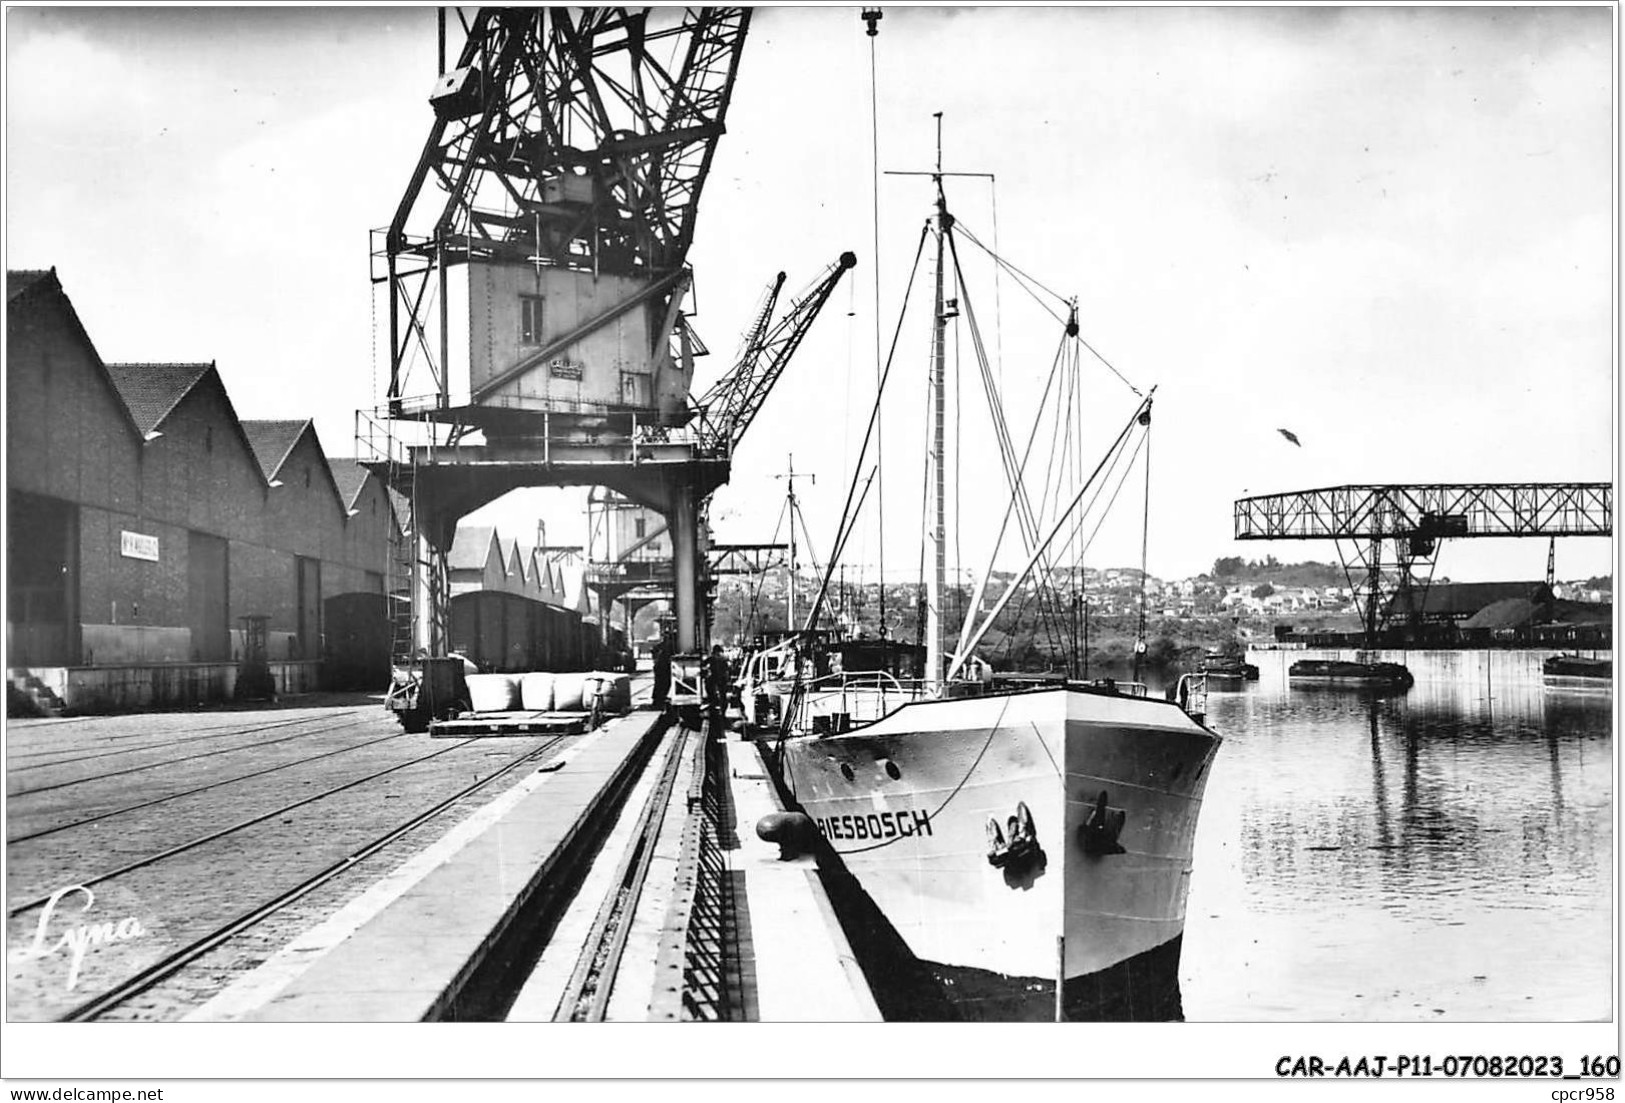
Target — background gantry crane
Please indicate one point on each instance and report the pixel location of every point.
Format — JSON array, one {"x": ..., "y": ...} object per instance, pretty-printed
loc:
[{"x": 1411, "y": 520}]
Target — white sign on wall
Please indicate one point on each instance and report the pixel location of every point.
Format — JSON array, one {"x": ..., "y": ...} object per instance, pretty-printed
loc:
[{"x": 133, "y": 545}]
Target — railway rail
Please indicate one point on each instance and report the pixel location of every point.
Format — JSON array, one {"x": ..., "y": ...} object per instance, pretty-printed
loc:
[
  {"x": 184, "y": 759},
  {"x": 636, "y": 882},
  {"x": 587, "y": 993},
  {"x": 99, "y": 817},
  {"x": 197, "y": 735},
  {"x": 175, "y": 962},
  {"x": 221, "y": 833}
]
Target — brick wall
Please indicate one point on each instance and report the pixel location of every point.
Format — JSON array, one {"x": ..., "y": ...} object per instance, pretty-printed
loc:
[{"x": 69, "y": 437}]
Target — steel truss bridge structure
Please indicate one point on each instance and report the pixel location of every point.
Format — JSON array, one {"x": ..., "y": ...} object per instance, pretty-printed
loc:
[{"x": 1412, "y": 519}]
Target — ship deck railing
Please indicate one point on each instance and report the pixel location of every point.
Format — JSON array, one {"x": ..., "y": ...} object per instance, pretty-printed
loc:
[{"x": 856, "y": 697}]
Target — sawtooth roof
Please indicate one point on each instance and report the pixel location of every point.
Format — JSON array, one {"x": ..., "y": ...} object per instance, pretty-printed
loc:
[
  {"x": 272, "y": 441},
  {"x": 31, "y": 290},
  {"x": 470, "y": 548},
  {"x": 151, "y": 391},
  {"x": 349, "y": 476}
]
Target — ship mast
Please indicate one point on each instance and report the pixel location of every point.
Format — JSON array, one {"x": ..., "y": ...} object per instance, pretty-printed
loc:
[
  {"x": 936, "y": 529},
  {"x": 793, "y": 514},
  {"x": 937, "y": 533}
]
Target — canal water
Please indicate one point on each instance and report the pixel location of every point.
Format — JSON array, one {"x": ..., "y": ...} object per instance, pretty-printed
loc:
[{"x": 1442, "y": 854}]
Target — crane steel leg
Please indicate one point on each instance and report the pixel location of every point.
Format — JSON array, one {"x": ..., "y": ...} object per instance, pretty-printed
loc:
[
  {"x": 685, "y": 541},
  {"x": 1373, "y": 587},
  {"x": 431, "y": 590}
]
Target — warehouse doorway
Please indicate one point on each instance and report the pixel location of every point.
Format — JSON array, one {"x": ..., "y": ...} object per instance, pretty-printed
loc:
[
  {"x": 42, "y": 567},
  {"x": 308, "y": 625},
  {"x": 208, "y": 578}
]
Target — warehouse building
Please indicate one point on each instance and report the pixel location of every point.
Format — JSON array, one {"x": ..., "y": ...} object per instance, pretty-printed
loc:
[
  {"x": 1462, "y": 603},
  {"x": 147, "y": 521}
]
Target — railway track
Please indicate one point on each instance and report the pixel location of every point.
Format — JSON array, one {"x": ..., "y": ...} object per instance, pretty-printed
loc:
[
  {"x": 290, "y": 862},
  {"x": 195, "y": 735},
  {"x": 587, "y": 993},
  {"x": 214, "y": 836},
  {"x": 180, "y": 959},
  {"x": 100, "y": 817},
  {"x": 172, "y": 964},
  {"x": 183, "y": 760}
]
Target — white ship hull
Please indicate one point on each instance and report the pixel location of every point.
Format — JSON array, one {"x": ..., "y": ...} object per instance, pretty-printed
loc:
[{"x": 905, "y": 803}]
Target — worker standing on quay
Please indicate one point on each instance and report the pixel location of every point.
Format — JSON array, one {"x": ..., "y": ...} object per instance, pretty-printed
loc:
[
  {"x": 716, "y": 681},
  {"x": 662, "y": 659}
]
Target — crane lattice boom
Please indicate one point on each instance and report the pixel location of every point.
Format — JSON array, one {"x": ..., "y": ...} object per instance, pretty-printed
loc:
[
  {"x": 575, "y": 139},
  {"x": 726, "y": 410},
  {"x": 598, "y": 123}
]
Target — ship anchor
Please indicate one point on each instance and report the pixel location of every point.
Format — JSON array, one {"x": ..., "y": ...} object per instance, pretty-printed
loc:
[
  {"x": 1100, "y": 831},
  {"x": 1021, "y": 847}
]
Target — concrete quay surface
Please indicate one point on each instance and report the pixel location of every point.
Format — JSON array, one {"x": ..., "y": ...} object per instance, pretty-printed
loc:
[
  {"x": 408, "y": 954},
  {"x": 804, "y": 968},
  {"x": 183, "y": 821},
  {"x": 189, "y": 820},
  {"x": 412, "y": 960}
]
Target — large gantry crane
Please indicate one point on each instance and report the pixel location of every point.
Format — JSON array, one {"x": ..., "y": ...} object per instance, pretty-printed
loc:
[
  {"x": 536, "y": 270},
  {"x": 1411, "y": 520}
]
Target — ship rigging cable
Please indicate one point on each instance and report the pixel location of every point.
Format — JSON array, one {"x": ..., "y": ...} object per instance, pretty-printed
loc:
[
  {"x": 1004, "y": 523},
  {"x": 840, "y": 550},
  {"x": 1014, "y": 469},
  {"x": 1022, "y": 278},
  {"x": 959, "y": 659},
  {"x": 848, "y": 515},
  {"x": 756, "y": 594},
  {"x": 1078, "y": 515},
  {"x": 1145, "y": 537}
]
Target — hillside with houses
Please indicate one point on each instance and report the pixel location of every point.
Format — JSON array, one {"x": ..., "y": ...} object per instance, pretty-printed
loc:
[{"x": 1248, "y": 603}]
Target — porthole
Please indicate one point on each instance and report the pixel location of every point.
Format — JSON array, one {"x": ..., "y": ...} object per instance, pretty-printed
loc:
[
  {"x": 892, "y": 771},
  {"x": 846, "y": 771}
]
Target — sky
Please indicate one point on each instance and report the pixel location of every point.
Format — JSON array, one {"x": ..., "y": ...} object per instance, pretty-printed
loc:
[{"x": 1389, "y": 230}]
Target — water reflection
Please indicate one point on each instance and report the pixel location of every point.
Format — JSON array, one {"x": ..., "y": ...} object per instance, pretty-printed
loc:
[{"x": 1442, "y": 853}]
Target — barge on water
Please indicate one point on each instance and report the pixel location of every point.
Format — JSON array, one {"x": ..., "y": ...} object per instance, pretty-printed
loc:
[
  {"x": 1343, "y": 672},
  {"x": 1573, "y": 672},
  {"x": 1226, "y": 672}
]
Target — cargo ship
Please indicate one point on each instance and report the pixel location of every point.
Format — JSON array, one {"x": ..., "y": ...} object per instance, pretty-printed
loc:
[{"x": 1025, "y": 845}]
